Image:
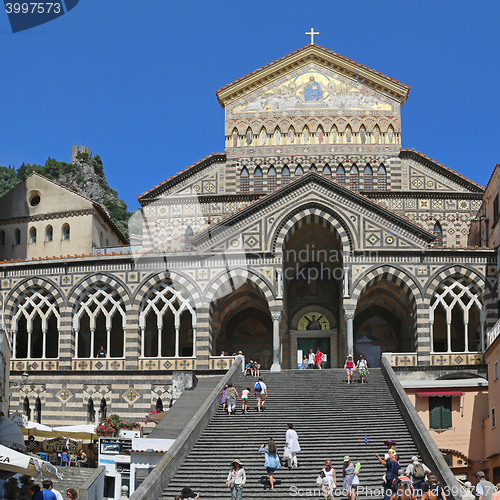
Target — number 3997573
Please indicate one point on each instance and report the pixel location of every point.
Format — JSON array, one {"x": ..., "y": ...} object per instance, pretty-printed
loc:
[{"x": 33, "y": 8}]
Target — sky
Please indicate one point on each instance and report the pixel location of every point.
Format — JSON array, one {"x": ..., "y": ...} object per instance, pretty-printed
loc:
[{"x": 135, "y": 80}]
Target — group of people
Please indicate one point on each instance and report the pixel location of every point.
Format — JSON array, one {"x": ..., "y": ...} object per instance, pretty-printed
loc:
[
  {"x": 230, "y": 395},
  {"x": 48, "y": 492},
  {"x": 313, "y": 360},
  {"x": 252, "y": 368},
  {"x": 350, "y": 367}
]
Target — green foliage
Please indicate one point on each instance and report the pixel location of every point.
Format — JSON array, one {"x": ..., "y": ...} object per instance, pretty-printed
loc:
[
  {"x": 7, "y": 179},
  {"x": 26, "y": 480},
  {"x": 83, "y": 157},
  {"x": 11, "y": 488},
  {"x": 98, "y": 166}
]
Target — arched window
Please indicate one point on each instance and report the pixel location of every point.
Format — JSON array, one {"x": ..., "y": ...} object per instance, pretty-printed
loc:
[
  {"x": 354, "y": 178},
  {"x": 271, "y": 179},
  {"x": 362, "y": 135},
  {"x": 2, "y": 238},
  {"x": 188, "y": 239},
  {"x": 33, "y": 235},
  {"x": 244, "y": 180},
  {"x": 103, "y": 410},
  {"x": 313, "y": 168},
  {"x": 65, "y": 232},
  {"x": 391, "y": 138},
  {"x": 38, "y": 411},
  {"x": 306, "y": 136},
  {"x": 438, "y": 235},
  {"x": 327, "y": 172},
  {"x": 107, "y": 242},
  {"x": 258, "y": 184},
  {"x": 49, "y": 233},
  {"x": 382, "y": 178},
  {"x": 298, "y": 171},
  {"x": 17, "y": 237},
  {"x": 277, "y": 136},
  {"x": 159, "y": 405},
  {"x": 90, "y": 410},
  {"x": 340, "y": 175},
  {"x": 285, "y": 175},
  {"x": 368, "y": 178},
  {"x": 26, "y": 408},
  {"x": 249, "y": 136},
  {"x": 320, "y": 135},
  {"x": 334, "y": 135},
  {"x": 348, "y": 134},
  {"x": 101, "y": 239}
]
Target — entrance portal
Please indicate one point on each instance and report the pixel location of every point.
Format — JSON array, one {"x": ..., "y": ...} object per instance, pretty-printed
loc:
[{"x": 322, "y": 343}]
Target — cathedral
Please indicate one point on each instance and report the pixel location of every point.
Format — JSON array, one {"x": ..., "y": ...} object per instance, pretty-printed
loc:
[{"x": 314, "y": 229}]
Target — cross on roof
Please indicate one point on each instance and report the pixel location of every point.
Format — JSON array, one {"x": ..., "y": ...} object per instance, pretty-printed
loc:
[{"x": 312, "y": 33}]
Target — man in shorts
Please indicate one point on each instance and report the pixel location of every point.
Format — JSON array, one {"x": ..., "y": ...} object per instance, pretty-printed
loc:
[
  {"x": 362, "y": 366},
  {"x": 312, "y": 359},
  {"x": 260, "y": 392}
]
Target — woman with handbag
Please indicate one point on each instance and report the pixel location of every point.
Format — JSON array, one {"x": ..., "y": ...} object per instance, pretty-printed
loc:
[
  {"x": 236, "y": 479},
  {"x": 272, "y": 460}
]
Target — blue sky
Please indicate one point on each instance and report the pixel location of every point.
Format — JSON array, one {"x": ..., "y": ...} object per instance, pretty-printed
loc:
[{"x": 134, "y": 80}]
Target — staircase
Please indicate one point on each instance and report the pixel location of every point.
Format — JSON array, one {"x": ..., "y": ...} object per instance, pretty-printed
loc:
[
  {"x": 72, "y": 477},
  {"x": 331, "y": 419}
]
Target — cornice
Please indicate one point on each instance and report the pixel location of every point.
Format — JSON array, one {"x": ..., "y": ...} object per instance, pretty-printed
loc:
[
  {"x": 57, "y": 215},
  {"x": 423, "y": 194}
]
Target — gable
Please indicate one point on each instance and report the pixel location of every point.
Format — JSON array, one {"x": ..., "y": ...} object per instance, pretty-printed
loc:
[{"x": 370, "y": 227}]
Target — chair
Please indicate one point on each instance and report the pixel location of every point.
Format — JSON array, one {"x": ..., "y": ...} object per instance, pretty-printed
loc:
[
  {"x": 64, "y": 459},
  {"x": 53, "y": 458},
  {"x": 72, "y": 460},
  {"x": 44, "y": 456}
]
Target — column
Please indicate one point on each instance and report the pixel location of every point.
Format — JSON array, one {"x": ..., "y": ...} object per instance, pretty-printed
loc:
[
  {"x": 92, "y": 331},
  {"x": 279, "y": 283},
  {"x": 431, "y": 329},
  {"x": 349, "y": 317},
  {"x": 44, "y": 343},
  {"x": 194, "y": 343},
  {"x": 159, "y": 342},
  {"x": 276, "y": 316},
  {"x": 14, "y": 344},
  {"x": 466, "y": 334},
  {"x": 77, "y": 338},
  {"x": 448, "y": 334},
  {"x": 482, "y": 319},
  {"x": 346, "y": 282},
  {"x": 177, "y": 328},
  {"x": 28, "y": 351},
  {"x": 143, "y": 340},
  {"x": 108, "y": 341}
]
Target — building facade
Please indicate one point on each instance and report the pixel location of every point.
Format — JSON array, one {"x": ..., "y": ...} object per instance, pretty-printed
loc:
[{"x": 314, "y": 229}]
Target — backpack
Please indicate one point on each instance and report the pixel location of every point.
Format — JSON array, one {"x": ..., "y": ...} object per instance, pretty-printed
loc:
[
  {"x": 258, "y": 387},
  {"x": 418, "y": 471}
]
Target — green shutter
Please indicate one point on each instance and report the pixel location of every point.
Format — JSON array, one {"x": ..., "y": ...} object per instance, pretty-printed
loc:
[
  {"x": 446, "y": 413},
  {"x": 434, "y": 413}
]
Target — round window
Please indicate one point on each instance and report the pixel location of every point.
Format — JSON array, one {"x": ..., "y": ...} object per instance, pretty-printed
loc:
[{"x": 35, "y": 200}]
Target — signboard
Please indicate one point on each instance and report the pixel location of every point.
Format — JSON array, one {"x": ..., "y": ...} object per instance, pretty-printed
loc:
[
  {"x": 19, "y": 419},
  {"x": 60, "y": 444},
  {"x": 115, "y": 446}
]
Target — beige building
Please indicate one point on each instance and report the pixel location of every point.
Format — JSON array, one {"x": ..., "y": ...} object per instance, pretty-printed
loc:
[
  {"x": 5, "y": 355},
  {"x": 41, "y": 219}
]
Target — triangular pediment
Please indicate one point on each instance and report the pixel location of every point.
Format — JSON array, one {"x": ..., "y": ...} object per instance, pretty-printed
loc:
[
  {"x": 369, "y": 225},
  {"x": 324, "y": 60}
]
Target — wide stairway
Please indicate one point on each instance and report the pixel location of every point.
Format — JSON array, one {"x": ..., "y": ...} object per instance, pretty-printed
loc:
[
  {"x": 72, "y": 477},
  {"x": 332, "y": 419}
]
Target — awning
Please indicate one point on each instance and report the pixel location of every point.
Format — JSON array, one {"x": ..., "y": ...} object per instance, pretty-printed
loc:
[
  {"x": 439, "y": 394},
  {"x": 19, "y": 463},
  {"x": 10, "y": 435}
]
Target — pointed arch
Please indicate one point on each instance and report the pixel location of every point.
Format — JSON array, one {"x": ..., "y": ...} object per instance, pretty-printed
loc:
[
  {"x": 38, "y": 410},
  {"x": 320, "y": 135},
  {"x": 368, "y": 178},
  {"x": 65, "y": 232},
  {"x": 188, "y": 239},
  {"x": 159, "y": 405},
  {"x": 306, "y": 136},
  {"x": 263, "y": 136},
  {"x": 49, "y": 233},
  {"x": 299, "y": 171},
  {"x": 340, "y": 175},
  {"x": 271, "y": 179},
  {"x": 249, "y": 136},
  {"x": 438, "y": 234},
  {"x": 258, "y": 181},
  {"x": 334, "y": 135},
  {"x": 390, "y": 137},
  {"x": 382, "y": 178},
  {"x": 244, "y": 180},
  {"x": 103, "y": 409},
  {"x": 313, "y": 168},
  {"x": 17, "y": 236},
  {"x": 277, "y": 136},
  {"x": 291, "y": 135},
  {"x": 90, "y": 410},
  {"x": 354, "y": 178},
  {"x": 26, "y": 407},
  {"x": 376, "y": 135},
  {"x": 348, "y": 135},
  {"x": 362, "y": 134},
  {"x": 327, "y": 171},
  {"x": 285, "y": 175},
  {"x": 235, "y": 137}
]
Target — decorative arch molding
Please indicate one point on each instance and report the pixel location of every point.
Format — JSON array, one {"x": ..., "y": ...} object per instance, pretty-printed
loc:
[
  {"x": 227, "y": 282},
  {"x": 312, "y": 213}
]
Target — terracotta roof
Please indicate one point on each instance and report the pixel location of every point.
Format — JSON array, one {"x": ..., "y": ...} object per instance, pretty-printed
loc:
[
  {"x": 456, "y": 453},
  {"x": 200, "y": 163},
  {"x": 319, "y": 47},
  {"x": 491, "y": 176},
  {"x": 422, "y": 155}
]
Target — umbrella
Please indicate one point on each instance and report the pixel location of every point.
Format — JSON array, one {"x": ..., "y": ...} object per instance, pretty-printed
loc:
[
  {"x": 39, "y": 430},
  {"x": 10, "y": 435},
  {"x": 77, "y": 431},
  {"x": 19, "y": 463}
]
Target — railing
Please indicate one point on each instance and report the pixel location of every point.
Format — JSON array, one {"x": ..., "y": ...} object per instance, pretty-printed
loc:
[
  {"x": 438, "y": 358},
  {"x": 171, "y": 363},
  {"x": 493, "y": 333}
]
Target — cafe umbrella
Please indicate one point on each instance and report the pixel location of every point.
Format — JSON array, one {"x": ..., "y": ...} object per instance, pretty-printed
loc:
[{"x": 19, "y": 463}]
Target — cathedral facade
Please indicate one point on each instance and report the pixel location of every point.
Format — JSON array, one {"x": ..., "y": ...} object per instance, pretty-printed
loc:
[{"x": 313, "y": 230}]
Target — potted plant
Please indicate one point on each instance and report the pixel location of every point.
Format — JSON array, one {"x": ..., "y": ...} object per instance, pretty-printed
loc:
[
  {"x": 106, "y": 428},
  {"x": 11, "y": 488},
  {"x": 27, "y": 482},
  {"x": 130, "y": 425}
]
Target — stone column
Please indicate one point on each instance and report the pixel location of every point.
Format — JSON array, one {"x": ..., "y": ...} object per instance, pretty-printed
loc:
[
  {"x": 44, "y": 343},
  {"x": 349, "y": 317},
  {"x": 279, "y": 283},
  {"x": 276, "y": 316}
]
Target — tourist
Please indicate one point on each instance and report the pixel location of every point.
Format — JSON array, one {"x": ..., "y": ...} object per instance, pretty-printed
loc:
[
  {"x": 101, "y": 353},
  {"x": 439, "y": 492},
  {"x": 56, "y": 492},
  {"x": 82, "y": 458},
  {"x": 426, "y": 492},
  {"x": 305, "y": 362},
  {"x": 188, "y": 494},
  {"x": 292, "y": 442},
  {"x": 319, "y": 359},
  {"x": 256, "y": 369},
  {"x": 392, "y": 469},
  {"x": 35, "y": 489},
  {"x": 231, "y": 396},
  {"x": 222, "y": 353},
  {"x": 348, "y": 475},
  {"x": 45, "y": 493},
  {"x": 405, "y": 482},
  {"x": 260, "y": 392},
  {"x": 391, "y": 448},
  {"x": 355, "y": 481},
  {"x": 496, "y": 495},
  {"x": 249, "y": 368},
  {"x": 236, "y": 479},
  {"x": 329, "y": 480},
  {"x": 362, "y": 366},
  {"x": 312, "y": 359},
  {"x": 272, "y": 460},
  {"x": 484, "y": 488},
  {"x": 223, "y": 392},
  {"x": 72, "y": 494},
  {"x": 417, "y": 472},
  {"x": 244, "y": 399},
  {"x": 349, "y": 368}
]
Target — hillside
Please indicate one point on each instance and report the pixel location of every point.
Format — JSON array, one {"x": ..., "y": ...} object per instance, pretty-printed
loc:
[{"x": 85, "y": 176}]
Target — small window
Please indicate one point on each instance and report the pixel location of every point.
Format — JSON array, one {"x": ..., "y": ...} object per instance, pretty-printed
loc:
[
  {"x": 17, "y": 237},
  {"x": 271, "y": 179},
  {"x": 38, "y": 411},
  {"x": 107, "y": 242},
  {"x": 188, "y": 239},
  {"x": 65, "y": 232},
  {"x": 101, "y": 239},
  {"x": 438, "y": 235},
  {"x": 244, "y": 181},
  {"x": 493, "y": 418},
  {"x": 35, "y": 200},
  {"x": 32, "y": 235},
  {"x": 495, "y": 370},
  {"x": 159, "y": 405},
  {"x": 258, "y": 181},
  {"x": 299, "y": 171},
  {"x": 440, "y": 412},
  {"x": 49, "y": 232},
  {"x": 313, "y": 168},
  {"x": 495, "y": 208},
  {"x": 382, "y": 178},
  {"x": 2, "y": 238},
  {"x": 327, "y": 172},
  {"x": 354, "y": 178},
  {"x": 368, "y": 178},
  {"x": 340, "y": 175},
  {"x": 285, "y": 176}
]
